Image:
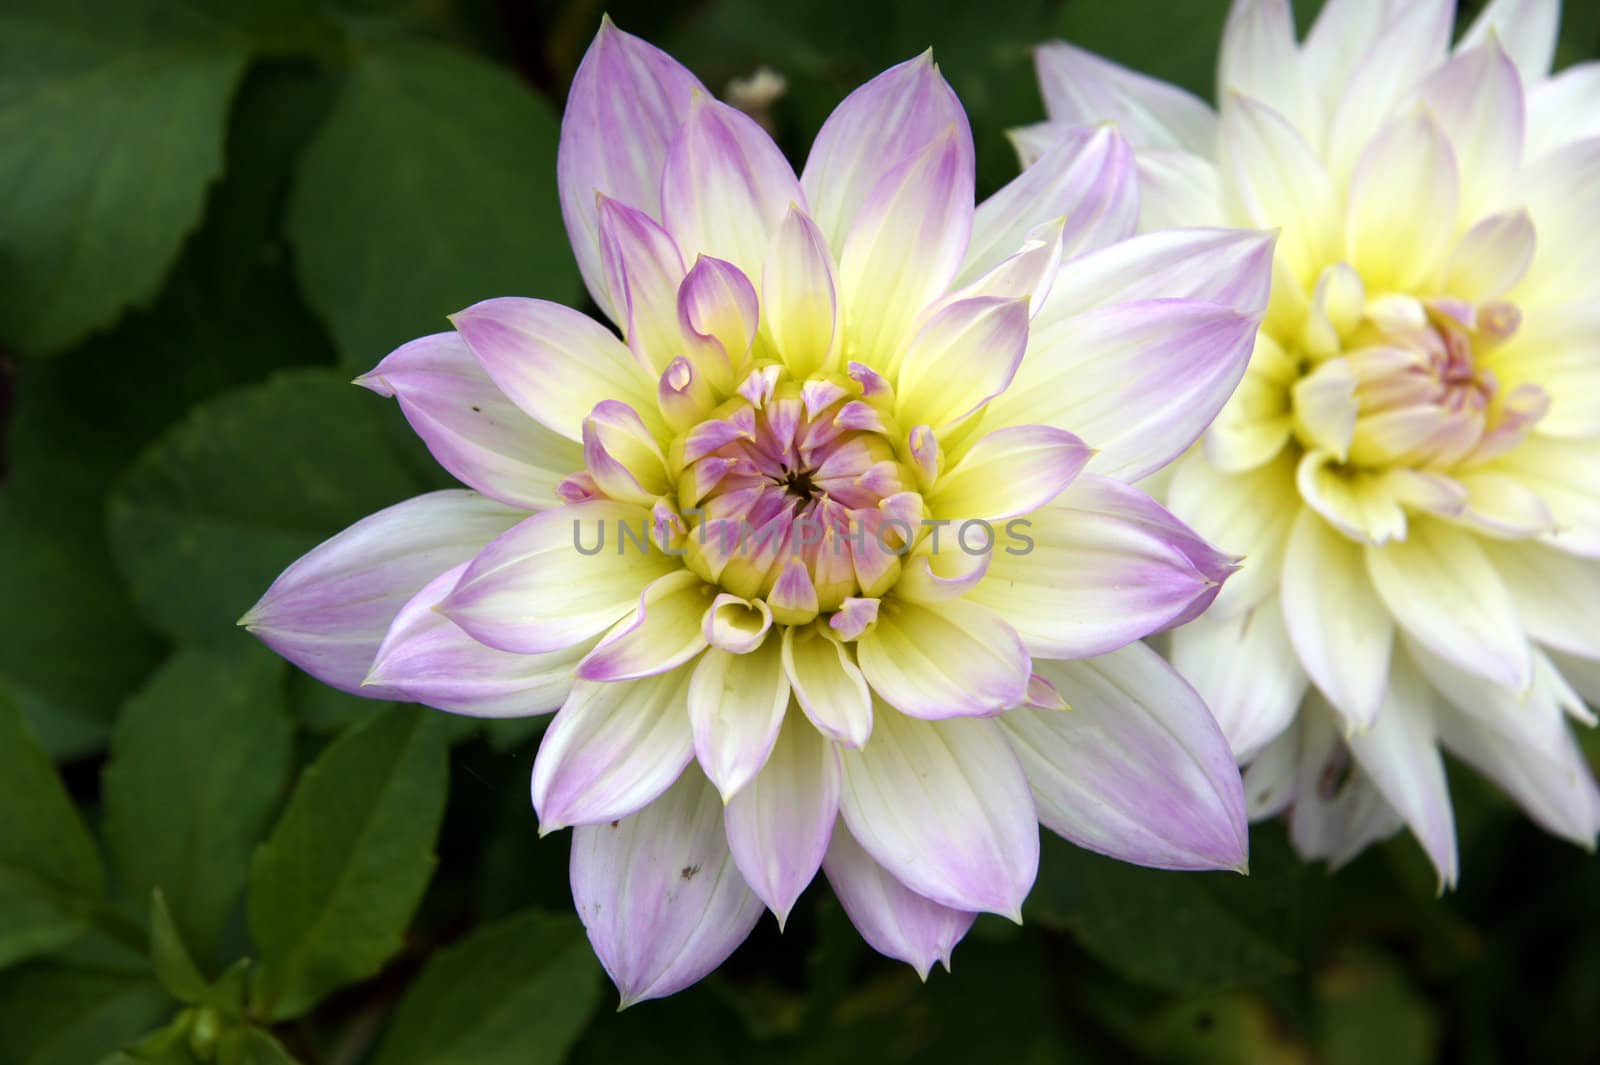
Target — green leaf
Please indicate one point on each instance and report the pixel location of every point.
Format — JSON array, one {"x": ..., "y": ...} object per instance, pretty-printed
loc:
[
  {"x": 199, "y": 759},
  {"x": 51, "y": 881},
  {"x": 333, "y": 888},
  {"x": 244, "y": 485},
  {"x": 1167, "y": 930},
  {"x": 1368, "y": 1011},
  {"x": 516, "y": 992},
  {"x": 432, "y": 186},
  {"x": 96, "y": 101},
  {"x": 251, "y": 1046},
  {"x": 67, "y": 1014},
  {"x": 173, "y": 965}
]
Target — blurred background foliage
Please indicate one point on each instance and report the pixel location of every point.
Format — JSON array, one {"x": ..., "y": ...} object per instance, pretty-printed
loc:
[{"x": 212, "y": 214}]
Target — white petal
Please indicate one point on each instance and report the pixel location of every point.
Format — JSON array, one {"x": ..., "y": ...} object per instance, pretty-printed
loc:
[
  {"x": 944, "y": 807},
  {"x": 1247, "y": 672},
  {"x": 1082, "y": 89},
  {"x": 736, "y": 706},
  {"x": 1247, "y": 514},
  {"x": 1526, "y": 29},
  {"x": 952, "y": 659},
  {"x": 828, "y": 683}
]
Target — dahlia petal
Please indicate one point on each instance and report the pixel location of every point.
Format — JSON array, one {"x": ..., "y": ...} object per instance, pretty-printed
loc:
[
  {"x": 952, "y": 659},
  {"x": 662, "y": 633},
  {"x": 469, "y": 425},
  {"x": 1563, "y": 109},
  {"x": 1088, "y": 178},
  {"x": 736, "y": 706},
  {"x": 539, "y": 587},
  {"x": 328, "y": 612},
  {"x": 1272, "y": 177},
  {"x": 1246, "y": 671},
  {"x": 883, "y": 124},
  {"x": 1177, "y": 189},
  {"x": 894, "y": 920},
  {"x": 1248, "y": 514},
  {"x": 1336, "y": 808},
  {"x": 659, "y": 893},
  {"x": 627, "y": 100},
  {"x": 906, "y": 244},
  {"x": 1555, "y": 594},
  {"x": 1082, "y": 89},
  {"x": 1269, "y": 779},
  {"x": 1259, "y": 59},
  {"x": 1138, "y": 382},
  {"x": 932, "y": 575},
  {"x": 1477, "y": 98},
  {"x": 1231, "y": 267},
  {"x": 828, "y": 684},
  {"x": 612, "y": 749},
  {"x": 717, "y": 302},
  {"x": 1410, "y": 41},
  {"x": 645, "y": 268},
  {"x": 779, "y": 824},
  {"x": 1557, "y": 350},
  {"x": 1492, "y": 257},
  {"x": 1562, "y": 192},
  {"x": 1400, "y": 753},
  {"x": 800, "y": 296},
  {"x": 977, "y": 341},
  {"x": 1562, "y": 473},
  {"x": 726, "y": 186},
  {"x": 553, "y": 362},
  {"x": 1521, "y": 742},
  {"x": 1136, "y": 768},
  {"x": 737, "y": 625},
  {"x": 1444, "y": 592},
  {"x": 1340, "y": 629},
  {"x": 1342, "y": 34},
  {"x": 1009, "y": 472},
  {"x": 426, "y": 658},
  {"x": 1408, "y": 182},
  {"x": 1106, "y": 565},
  {"x": 1361, "y": 504},
  {"x": 944, "y": 807},
  {"x": 1526, "y": 29},
  {"x": 1503, "y": 506}
]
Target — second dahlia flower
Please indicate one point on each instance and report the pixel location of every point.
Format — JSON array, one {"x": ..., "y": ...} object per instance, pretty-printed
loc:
[
  {"x": 1412, "y": 463},
  {"x": 815, "y": 559}
]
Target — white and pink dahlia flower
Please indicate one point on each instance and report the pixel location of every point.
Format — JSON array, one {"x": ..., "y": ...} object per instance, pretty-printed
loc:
[
  {"x": 1412, "y": 462},
  {"x": 812, "y": 563}
]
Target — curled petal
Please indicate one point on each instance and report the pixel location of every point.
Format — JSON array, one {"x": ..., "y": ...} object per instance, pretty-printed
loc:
[
  {"x": 661, "y": 634},
  {"x": 659, "y": 892},
  {"x": 946, "y": 660},
  {"x": 828, "y": 684}
]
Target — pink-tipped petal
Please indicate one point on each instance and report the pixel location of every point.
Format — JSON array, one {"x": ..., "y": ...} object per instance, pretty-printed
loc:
[
  {"x": 1138, "y": 382},
  {"x": 800, "y": 296},
  {"x": 979, "y": 342},
  {"x": 553, "y": 362},
  {"x": 878, "y": 127},
  {"x": 1088, "y": 178},
  {"x": 558, "y": 578},
  {"x": 1230, "y": 267},
  {"x": 779, "y": 824},
  {"x": 644, "y": 268},
  {"x": 1082, "y": 89},
  {"x": 328, "y": 612},
  {"x": 944, "y": 807},
  {"x": 659, "y": 892},
  {"x": 828, "y": 684},
  {"x": 1103, "y": 565},
  {"x": 627, "y": 100},
  {"x": 427, "y": 658},
  {"x": 1135, "y": 768},
  {"x": 894, "y": 920},
  {"x": 470, "y": 426},
  {"x": 906, "y": 245},
  {"x": 611, "y": 749},
  {"x": 726, "y": 186},
  {"x": 662, "y": 633}
]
